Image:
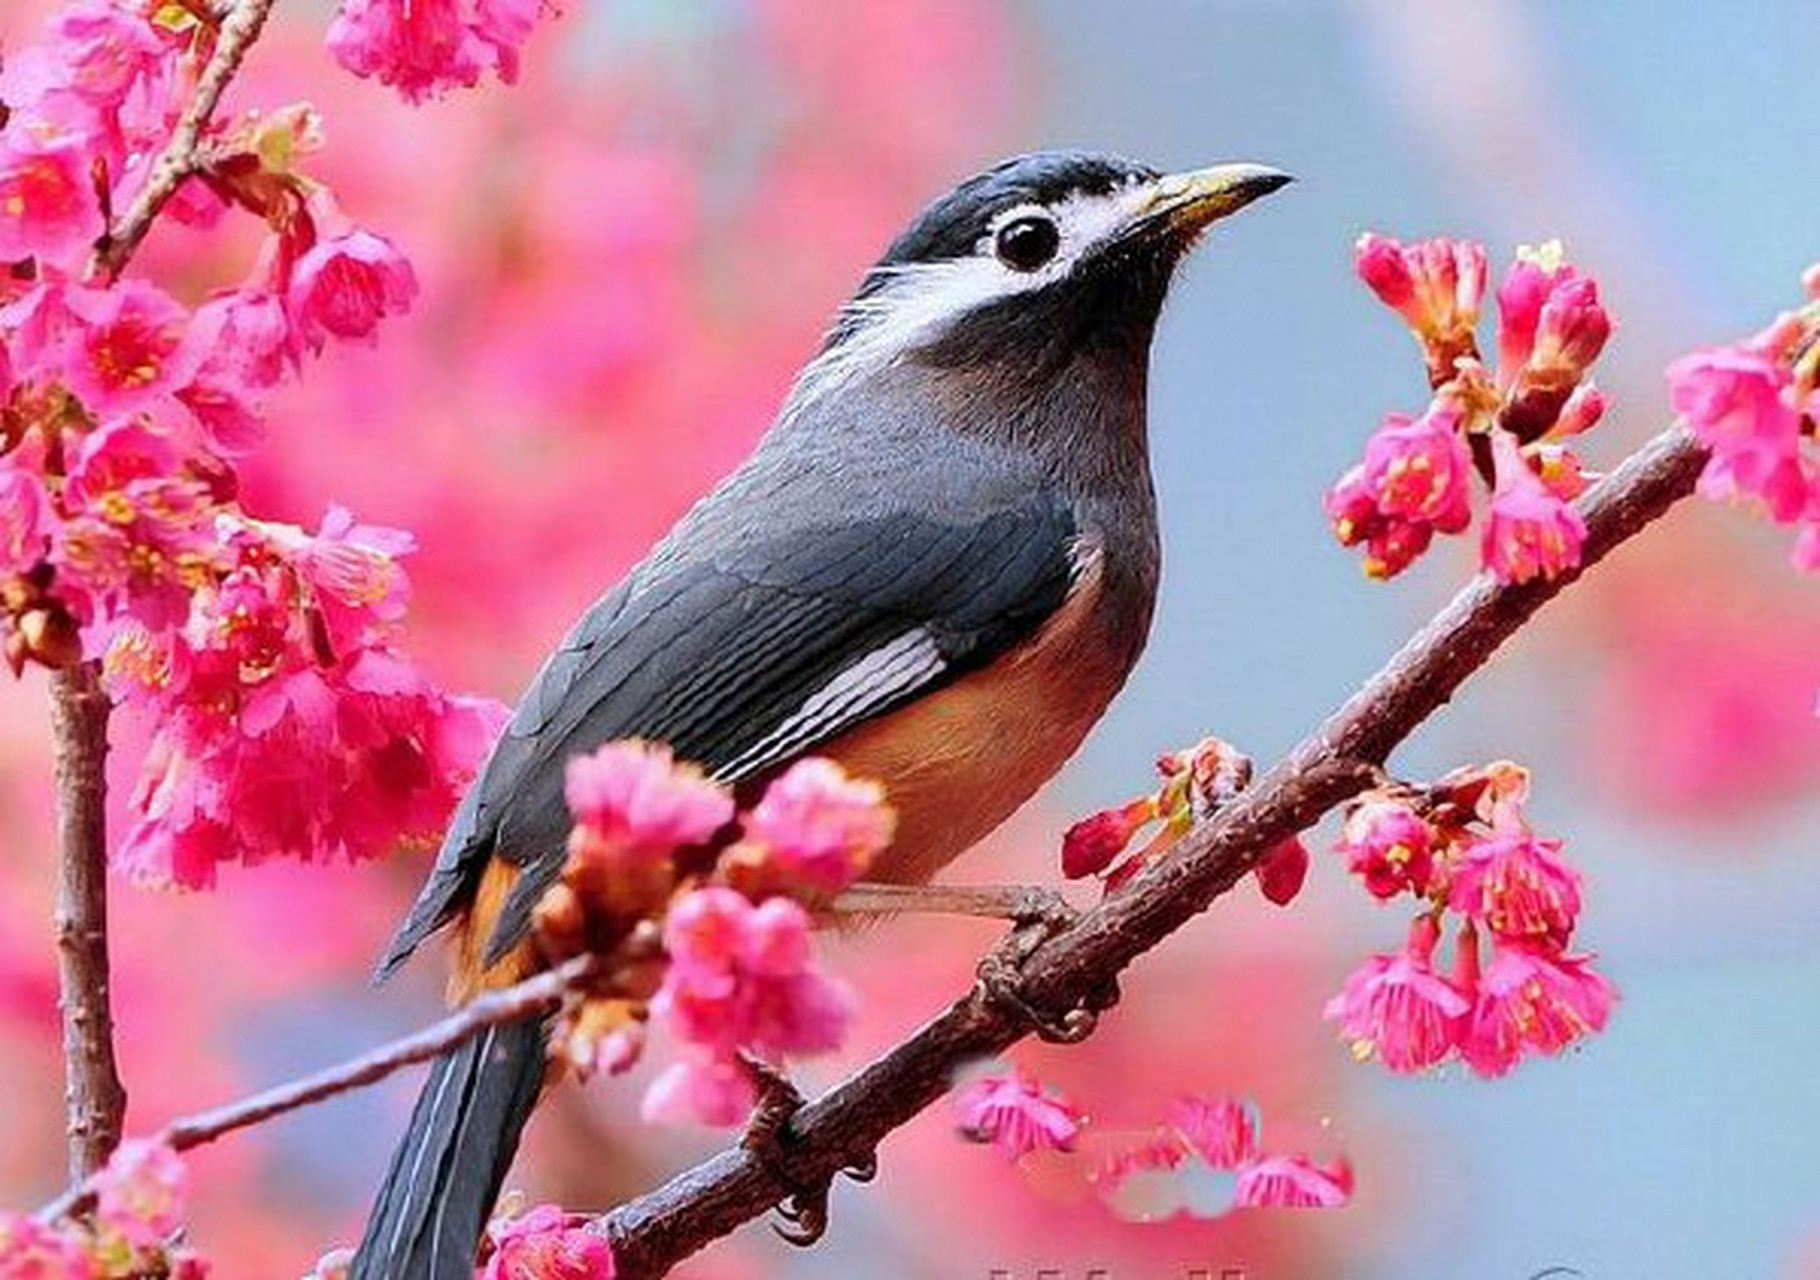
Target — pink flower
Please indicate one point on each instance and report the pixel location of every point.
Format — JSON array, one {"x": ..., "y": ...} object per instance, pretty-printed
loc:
[
  {"x": 48, "y": 208},
  {"x": 1392, "y": 543},
  {"x": 24, "y": 517},
  {"x": 423, "y": 48},
  {"x": 1015, "y": 1115},
  {"x": 1292, "y": 1182},
  {"x": 1582, "y": 412},
  {"x": 1517, "y": 885},
  {"x": 1223, "y": 1130},
  {"x": 1531, "y": 1002},
  {"x": 1398, "y": 1009},
  {"x": 1740, "y": 403},
  {"x": 106, "y": 49},
  {"x": 743, "y": 977},
  {"x": 1282, "y": 871},
  {"x": 716, "y": 1092},
  {"x": 128, "y": 350},
  {"x": 30, "y": 1250},
  {"x": 1435, "y": 285},
  {"x": 815, "y": 829},
  {"x": 1420, "y": 470},
  {"x": 633, "y": 803},
  {"x": 1092, "y": 843},
  {"x": 1530, "y": 532},
  {"x": 345, "y": 284},
  {"x": 1390, "y": 846},
  {"x": 140, "y": 1192},
  {"x": 1570, "y": 333},
  {"x": 546, "y": 1244},
  {"x": 1526, "y": 287},
  {"x": 247, "y": 335}
]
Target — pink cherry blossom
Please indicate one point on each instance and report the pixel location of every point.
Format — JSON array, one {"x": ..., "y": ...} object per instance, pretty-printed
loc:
[
  {"x": 1015, "y": 1114},
  {"x": 546, "y": 1243},
  {"x": 48, "y": 208},
  {"x": 140, "y": 1192},
  {"x": 106, "y": 49},
  {"x": 1292, "y": 1182},
  {"x": 717, "y": 1092},
  {"x": 1740, "y": 402},
  {"x": 1420, "y": 470},
  {"x": 744, "y": 977},
  {"x": 1435, "y": 285},
  {"x": 815, "y": 829},
  {"x": 247, "y": 335},
  {"x": 1530, "y": 531},
  {"x": 24, "y": 519},
  {"x": 1516, "y": 884},
  {"x": 1389, "y": 846},
  {"x": 634, "y": 803},
  {"x": 344, "y": 285},
  {"x": 128, "y": 349},
  {"x": 1091, "y": 844},
  {"x": 1581, "y": 413},
  {"x": 1528, "y": 1001},
  {"x": 1223, "y": 1130},
  {"x": 423, "y": 49},
  {"x": 31, "y": 1250},
  {"x": 1398, "y": 1009}
]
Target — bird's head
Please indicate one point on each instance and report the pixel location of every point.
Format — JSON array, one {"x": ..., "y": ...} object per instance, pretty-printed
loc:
[{"x": 1026, "y": 266}]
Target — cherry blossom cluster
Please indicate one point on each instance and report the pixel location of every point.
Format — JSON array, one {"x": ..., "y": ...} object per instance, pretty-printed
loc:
[
  {"x": 1754, "y": 404},
  {"x": 286, "y": 721},
  {"x": 1016, "y": 1114},
  {"x": 1464, "y": 849},
  {"x": 139, "y": 1205},
  {"x": 424, "y": 47},
  {"x": 703, "y": 915},
  {"x": 1194, "y": 783},
  {"x": 1507, "y": 426}
]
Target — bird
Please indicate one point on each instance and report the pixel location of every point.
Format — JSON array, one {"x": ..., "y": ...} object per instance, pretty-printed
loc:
[{"x": 937, "y": 568}]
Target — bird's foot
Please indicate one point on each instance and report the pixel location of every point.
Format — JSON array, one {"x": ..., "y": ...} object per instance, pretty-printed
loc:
[
  {"x": 999, "y": 981},
  {"x": 804, "y": 1207}
]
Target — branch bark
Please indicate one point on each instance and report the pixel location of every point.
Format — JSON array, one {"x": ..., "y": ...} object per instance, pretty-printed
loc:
[
  {"x": 1077, "y": 966},
  {"x": 94, "y": 1099}
]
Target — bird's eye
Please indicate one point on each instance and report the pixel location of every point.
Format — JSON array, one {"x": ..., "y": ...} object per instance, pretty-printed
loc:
[{"x": 1025, "y": 244}]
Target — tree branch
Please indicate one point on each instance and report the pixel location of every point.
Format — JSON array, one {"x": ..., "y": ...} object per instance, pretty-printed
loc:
[
  {"x": 94, "y": 1099},
  {"x": 181, "y": 156},
  {"x": 531, "y": 998},
  {"x": 1077, "y": 966}
]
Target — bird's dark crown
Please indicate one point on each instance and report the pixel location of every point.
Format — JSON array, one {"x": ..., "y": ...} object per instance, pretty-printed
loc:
[{"x": 951, "y": 225}]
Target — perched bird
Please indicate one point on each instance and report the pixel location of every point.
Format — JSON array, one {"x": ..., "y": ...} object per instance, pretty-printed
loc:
[{"x": 937, "y": 568}]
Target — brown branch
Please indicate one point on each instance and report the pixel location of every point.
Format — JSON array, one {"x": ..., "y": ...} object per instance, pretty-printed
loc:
[
  {"x": 1077, "y": 966},
  {"x": 182, "y": 156},
  {"x": 94, "y": 1099},
  {"x": 531, "y": 998}
]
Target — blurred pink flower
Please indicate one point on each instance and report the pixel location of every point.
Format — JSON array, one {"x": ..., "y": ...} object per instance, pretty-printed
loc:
[
  {"x": 1397, "y": 1009},
  {"x": 345, "y": 284},
  {"x": 23, "y": 519},
  {"x": 717, "y": 1092},
  {"x": 1530, "y": 532},
  {"x": 1741, "y": 403},
  {"x": 1292, "y": 1182},
  {"x": 30, "y": 1250},
  {"x": 814, "y": 829},
  {"x": 424, "y": 47},
  {"x": 106, "y": 49},
  {"x": 545, "y": 1243},
  {"x": 51, "y": 210},
  {"x": 1223, "y": 1130},
  {"x": 632, "y": 801},
  {"x": 1015, "y": 1114},
  {"x": 141, "y": 1191}
]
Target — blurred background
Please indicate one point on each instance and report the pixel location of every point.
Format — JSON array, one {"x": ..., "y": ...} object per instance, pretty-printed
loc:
[{"x": 624, "y": 260}]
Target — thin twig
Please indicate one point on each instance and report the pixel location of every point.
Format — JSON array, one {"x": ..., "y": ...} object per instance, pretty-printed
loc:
[
  {"x": 531, "y": 998},
  {"x": 842, "y": 1128},
  {"x": 181, "y": 156},
  {"x": 94, "y": 1099}
]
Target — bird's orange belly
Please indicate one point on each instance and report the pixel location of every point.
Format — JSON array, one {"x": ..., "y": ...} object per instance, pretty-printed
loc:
[{"x": 958, "y": 762}]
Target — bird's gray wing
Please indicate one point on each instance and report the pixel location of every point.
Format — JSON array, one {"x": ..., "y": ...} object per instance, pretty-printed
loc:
[{"x": 745, "y": 658}]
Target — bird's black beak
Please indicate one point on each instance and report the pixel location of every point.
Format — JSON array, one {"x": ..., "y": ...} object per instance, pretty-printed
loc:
[{"x": 1186, "y": 204}]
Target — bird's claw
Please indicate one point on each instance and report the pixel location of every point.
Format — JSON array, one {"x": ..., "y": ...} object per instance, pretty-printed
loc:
[
  {"x": 1000, "y": 981},
  {"x": 804, "y": 1207}
]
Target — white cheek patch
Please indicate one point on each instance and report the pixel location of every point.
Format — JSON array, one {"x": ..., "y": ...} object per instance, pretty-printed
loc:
[{"x": 911, "y": 304}]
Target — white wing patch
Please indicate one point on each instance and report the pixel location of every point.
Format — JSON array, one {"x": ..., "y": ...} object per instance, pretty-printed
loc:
[{"x": 906, "y": 663}]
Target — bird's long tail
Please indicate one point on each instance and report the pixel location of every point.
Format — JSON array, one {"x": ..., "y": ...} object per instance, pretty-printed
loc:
[{"x": 446, "y": 1173}]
